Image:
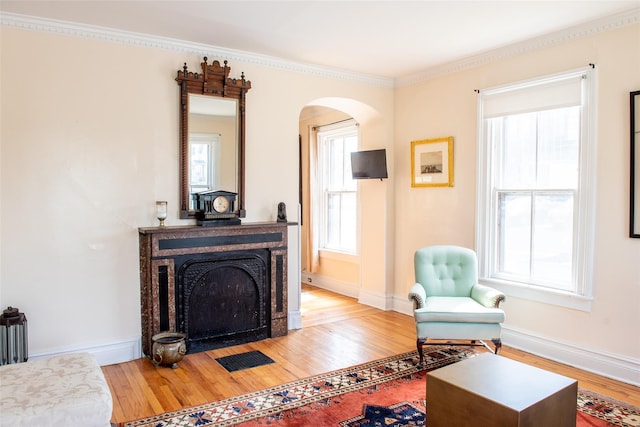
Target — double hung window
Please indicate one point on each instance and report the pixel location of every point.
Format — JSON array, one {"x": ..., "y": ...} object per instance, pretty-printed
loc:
[
  {"x": 536, "y": 187},
  {"x": 338, "y": 190}
]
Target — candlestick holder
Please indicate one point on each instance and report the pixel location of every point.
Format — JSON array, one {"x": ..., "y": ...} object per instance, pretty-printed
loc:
[{"x": 161, "y": 211}]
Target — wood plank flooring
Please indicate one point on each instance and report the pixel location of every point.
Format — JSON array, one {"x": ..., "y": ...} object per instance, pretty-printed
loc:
[{"x": 337, "y": 332}]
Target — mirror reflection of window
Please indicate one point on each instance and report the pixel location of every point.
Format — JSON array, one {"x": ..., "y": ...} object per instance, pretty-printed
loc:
[{"x": 204, "y": 152}]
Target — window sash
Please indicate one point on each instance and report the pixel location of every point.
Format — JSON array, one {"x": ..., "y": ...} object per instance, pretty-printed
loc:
[
  {"x": 338, "y": 189},
  {"x": 538, "y": 247}
]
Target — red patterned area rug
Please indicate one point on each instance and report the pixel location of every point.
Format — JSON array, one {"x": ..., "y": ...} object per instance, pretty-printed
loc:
[{"x": 386, "y": 392}]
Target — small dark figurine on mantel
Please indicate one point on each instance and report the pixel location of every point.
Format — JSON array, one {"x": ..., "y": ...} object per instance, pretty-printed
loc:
[{"x": 282, "y": 212}]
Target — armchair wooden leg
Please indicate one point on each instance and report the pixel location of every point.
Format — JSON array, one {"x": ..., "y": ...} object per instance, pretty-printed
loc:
[
  {"x": 419, "y": 343},
  {"x": 498, "y": 343}
]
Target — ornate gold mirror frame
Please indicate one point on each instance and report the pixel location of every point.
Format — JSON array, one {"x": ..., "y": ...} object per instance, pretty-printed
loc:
[{"x": 213, "y": 81}]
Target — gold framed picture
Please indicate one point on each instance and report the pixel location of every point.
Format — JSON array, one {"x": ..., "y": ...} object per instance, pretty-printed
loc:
[{"x": 432, "y": 162}]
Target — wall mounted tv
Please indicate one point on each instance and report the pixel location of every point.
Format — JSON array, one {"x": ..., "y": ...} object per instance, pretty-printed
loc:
[{"x": 369, "y": 164}]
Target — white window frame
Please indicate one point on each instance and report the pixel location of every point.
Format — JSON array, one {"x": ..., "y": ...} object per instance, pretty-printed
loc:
[
  {"x": 584, "y": 209},
  {"x": 327, "y": 131}
]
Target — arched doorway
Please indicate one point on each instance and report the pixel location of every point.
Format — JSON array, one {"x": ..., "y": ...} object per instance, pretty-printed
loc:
[{"x": 366, "y": 274}]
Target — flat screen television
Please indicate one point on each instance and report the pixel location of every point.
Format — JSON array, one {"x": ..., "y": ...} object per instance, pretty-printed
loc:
[{"x": 369, "y": 164}]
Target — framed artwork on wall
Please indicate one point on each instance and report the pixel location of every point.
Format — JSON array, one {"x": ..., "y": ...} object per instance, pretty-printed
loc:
[
  {"x": 432, "y": 162},
  {"x": 634, "y": 212}
]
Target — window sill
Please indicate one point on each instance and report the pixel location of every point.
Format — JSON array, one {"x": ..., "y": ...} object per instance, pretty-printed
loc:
[
  {"x": 546, "y": 296},
  {"x": 337, "y": 255}
]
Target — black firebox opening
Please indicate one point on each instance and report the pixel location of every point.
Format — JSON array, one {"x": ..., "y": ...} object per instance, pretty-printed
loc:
[{"x": 223, "y": 299}]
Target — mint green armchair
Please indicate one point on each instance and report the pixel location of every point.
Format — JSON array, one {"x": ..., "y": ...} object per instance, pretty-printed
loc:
[{"x": 448, "y": 301}]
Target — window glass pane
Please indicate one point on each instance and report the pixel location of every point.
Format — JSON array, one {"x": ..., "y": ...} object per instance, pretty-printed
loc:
[
  {"x": 199, "y": 164},
  {"x": 558, "y": 141},
  {"x": 348, "y": 221},
  {"x": 338, "y": 169},
  {"x": 517, "y": 152},
  {"x": 351, "y": 145},
  {"x": 332, "y": 236},
  {"x": 553, "y": 239},
  {"x": 514, "y": 233},
  {"x": 336, "y": 160}
]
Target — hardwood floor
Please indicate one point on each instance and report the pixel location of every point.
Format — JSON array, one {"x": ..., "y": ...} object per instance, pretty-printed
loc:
[{"x": 337, "y": 332}]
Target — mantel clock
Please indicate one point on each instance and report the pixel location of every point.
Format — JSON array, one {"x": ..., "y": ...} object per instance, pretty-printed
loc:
[{"x": 216, "y": 207}]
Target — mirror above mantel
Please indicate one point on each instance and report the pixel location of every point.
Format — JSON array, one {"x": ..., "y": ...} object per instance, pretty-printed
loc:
[{"x": 212, "y": 137}]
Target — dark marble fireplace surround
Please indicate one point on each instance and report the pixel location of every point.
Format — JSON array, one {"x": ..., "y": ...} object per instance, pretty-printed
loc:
[{"x": 220, "y": 286}]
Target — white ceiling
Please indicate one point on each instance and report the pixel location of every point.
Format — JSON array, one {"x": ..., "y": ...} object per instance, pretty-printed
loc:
[{"x": 381, "y": 38}]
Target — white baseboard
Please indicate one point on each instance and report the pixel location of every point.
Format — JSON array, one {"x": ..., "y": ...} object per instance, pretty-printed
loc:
[
  {"x": 105, "y": 354},
  {"x": 403, "y": 305},
  {"x": 617, "y": 367},
  {"x": 349, "y": 289},
  {"x": 341, "y": 287},
  {"x": 295, "y": 320},
  {"x": 375, "y": 299},
  {"x": 128, "y": 349}
]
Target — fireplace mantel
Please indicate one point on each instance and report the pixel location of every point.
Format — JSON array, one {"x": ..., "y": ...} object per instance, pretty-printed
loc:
[{"x": 165, "y": 251}]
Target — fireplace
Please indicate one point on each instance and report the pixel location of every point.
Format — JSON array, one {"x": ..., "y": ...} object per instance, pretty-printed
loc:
[{"x": 220, "y": 286}]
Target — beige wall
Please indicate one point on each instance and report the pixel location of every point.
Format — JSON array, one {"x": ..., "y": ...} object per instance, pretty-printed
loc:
[
  {"x": 89, "y": 141},
  {"x": 447, "y": 106}
]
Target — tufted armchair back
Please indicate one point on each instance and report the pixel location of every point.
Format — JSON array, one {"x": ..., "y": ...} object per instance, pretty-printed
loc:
[{"x": 449, "y": 271}]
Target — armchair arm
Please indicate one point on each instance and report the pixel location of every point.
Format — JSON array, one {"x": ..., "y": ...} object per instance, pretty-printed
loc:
[
  {"x": 488, "y": 297},
  {"x": 418, "y": 295}
]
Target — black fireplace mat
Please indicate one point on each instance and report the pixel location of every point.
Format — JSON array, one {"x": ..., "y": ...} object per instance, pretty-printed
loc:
[{"x": 250, "y": 359}]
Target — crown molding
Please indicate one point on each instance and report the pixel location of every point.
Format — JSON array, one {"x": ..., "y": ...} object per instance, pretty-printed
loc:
[
  {"x": 612, "y": 22},
  {"x": 92, "y": 32}
]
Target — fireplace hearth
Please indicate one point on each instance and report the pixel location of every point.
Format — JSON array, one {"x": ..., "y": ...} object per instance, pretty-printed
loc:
[{"x": 220, "y": 286}]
